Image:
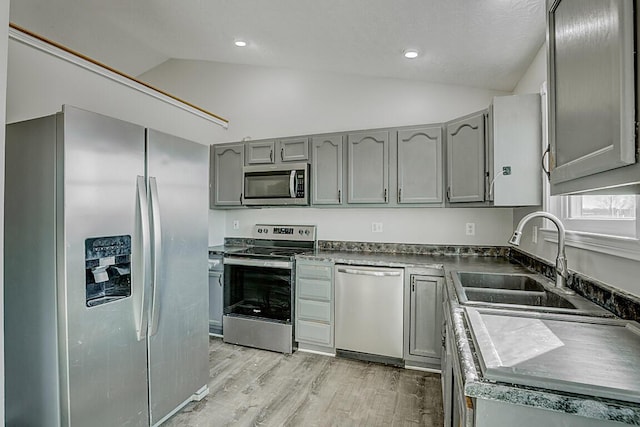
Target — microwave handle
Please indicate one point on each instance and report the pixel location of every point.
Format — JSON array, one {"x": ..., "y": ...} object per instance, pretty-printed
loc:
[{"x": 292, "y": 184}]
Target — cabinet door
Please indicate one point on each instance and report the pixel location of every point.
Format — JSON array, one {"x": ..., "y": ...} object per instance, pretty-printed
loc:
[
  {"x": 591, "y": 96},
  {"x": 368, "y": 169},
  {"x": 465, "y": 159},
  {"x": 293, "y": 150},
  {"x": 420, "y": 165},
  {"x": 326, "y": 170},
  {"x": 259, "y": 152},
  {"x": 425, "y": 336},
  {"x": 227, "y": 162}
]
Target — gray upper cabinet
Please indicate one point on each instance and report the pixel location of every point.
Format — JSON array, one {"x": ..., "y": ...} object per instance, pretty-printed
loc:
[
  {"x": 592, "y": 95},
  {"x": 466, "y": 159},
  {"x": 293, "y": 149},
  {"x": 278, "y": 150},
  {"x": 326, "y": 170},
  {"x": 227, "y": 161},
  {"x": 259, "y": 152},
  {"x": 368, "y": 167},
  {"x": 420, "y": 165}
]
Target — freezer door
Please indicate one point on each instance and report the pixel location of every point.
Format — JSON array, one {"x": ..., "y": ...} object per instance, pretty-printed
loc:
[
  {"x": 103, "y": 363},
  {"x": 178, "y": 331}
]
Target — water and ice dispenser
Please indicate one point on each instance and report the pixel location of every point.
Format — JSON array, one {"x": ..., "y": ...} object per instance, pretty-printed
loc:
[{"x": 107, "y": 269}]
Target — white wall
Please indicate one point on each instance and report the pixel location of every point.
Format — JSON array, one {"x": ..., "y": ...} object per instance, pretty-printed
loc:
[
  {"x": 39, "y": 83},
  {"x": 4, "y": 25},
  {"x": 400, "y": 225},
  {"x": 264, "y": 102},
  {"x": 619, "y": 272}
]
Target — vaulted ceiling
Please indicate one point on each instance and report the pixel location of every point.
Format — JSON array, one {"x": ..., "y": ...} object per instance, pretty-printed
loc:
[{"x": 480, "y": 43}]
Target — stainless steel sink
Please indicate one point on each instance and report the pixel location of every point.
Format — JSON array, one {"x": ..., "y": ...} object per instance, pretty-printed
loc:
[
  {"x": 515, "y": 282},
  {"x": 519, "y": 292},
  {"x": 537, "y": 299}
]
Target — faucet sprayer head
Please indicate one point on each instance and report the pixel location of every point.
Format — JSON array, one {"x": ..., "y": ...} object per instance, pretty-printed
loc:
[{"x": 515, "y": 239}]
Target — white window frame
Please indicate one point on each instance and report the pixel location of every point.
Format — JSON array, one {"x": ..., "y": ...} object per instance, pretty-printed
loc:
[{"x": 605, "y": 238}]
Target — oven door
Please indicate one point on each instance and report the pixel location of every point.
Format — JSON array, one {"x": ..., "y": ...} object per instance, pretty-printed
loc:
[
  {"x": 258, "y": 289},
  {"x": 275, "y": 185}
]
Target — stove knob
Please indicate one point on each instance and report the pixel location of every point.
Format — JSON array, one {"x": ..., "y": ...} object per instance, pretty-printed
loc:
[
  {"x": 259, "y": 230},
  {"x": 300, "y": 231},
  {"x": 306, "y": 232}
]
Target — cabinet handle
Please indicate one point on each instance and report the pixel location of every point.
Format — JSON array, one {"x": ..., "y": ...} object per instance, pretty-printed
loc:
[
  {"x": 449, "y": 193},
  {"x": 271, "y": 156},
  {"x": 385, "y": 195},
  {"x": 399, "y": 195},
  {"x": 240, "y": 199},
  {"x": 282, "y": 154},
  {"x": 546, "y": 153},
  {"x": 339, "y": 196}
]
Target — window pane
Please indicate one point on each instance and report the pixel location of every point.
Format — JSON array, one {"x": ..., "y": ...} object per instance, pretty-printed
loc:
[{"x": 602, "y": 207}]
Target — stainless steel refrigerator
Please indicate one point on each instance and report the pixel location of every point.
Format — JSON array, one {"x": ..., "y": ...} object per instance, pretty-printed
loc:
[{"x": 106, "y": 308}]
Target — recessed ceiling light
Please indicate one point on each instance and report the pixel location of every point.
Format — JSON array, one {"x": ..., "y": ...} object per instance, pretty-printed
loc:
[
  {"x": 410, "y": 53},
  {"x": 240, "y": 43}
]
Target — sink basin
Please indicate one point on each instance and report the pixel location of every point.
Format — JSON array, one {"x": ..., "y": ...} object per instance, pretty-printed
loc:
[
  {"x": 519, "y": 291},
  {"x": 537, "y": 299},
  {"x": 514, "y": 282}
]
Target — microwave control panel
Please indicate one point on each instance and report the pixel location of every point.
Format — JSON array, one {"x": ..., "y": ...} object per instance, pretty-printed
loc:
[{"x": 300, "y": 185}]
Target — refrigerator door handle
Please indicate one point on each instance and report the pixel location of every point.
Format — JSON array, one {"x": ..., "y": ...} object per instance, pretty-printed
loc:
[
  {"x": 157, "y": 255},
  {"x": 142, "y": 315}
]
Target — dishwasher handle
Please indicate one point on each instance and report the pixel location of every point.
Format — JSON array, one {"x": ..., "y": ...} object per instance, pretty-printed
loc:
[{"x": 369, "y": 272}]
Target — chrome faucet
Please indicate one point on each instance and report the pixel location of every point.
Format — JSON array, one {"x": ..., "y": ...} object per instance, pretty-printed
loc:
[{"x": 561, "y": 259}]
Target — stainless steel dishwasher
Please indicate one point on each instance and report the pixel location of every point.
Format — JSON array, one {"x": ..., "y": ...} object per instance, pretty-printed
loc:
[{"x": 369, "y": 310}]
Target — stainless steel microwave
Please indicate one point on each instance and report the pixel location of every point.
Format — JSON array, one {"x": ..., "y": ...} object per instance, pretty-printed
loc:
[{"x": 281, "y": 184}]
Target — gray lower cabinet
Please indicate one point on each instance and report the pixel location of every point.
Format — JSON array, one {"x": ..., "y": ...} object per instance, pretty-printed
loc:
[
  {"x": 314, "y": 309},
  {"x": 227, "y": 161},
  {"x": 466, "y": 159},
  {"x": 368, "y": 167},
  {"x": 326, "y": 170},
  {"x": 420, "y": 165},
  {"x": 278, "y": 150},
  {"x": 423, "y": 336},
  {"x": 592, "y": 97}
]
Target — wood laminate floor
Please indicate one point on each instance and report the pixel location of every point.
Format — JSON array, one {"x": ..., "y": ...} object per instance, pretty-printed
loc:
[{"x": 250, "y": 387}]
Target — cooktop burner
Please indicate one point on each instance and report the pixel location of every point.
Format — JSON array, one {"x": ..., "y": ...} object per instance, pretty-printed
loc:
[
  {"x": 280, "y": 241},
  {"x": 266, "y": 251}
]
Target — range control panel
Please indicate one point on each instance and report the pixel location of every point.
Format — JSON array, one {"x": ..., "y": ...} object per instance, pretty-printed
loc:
[{"x": 305, "y": 233}]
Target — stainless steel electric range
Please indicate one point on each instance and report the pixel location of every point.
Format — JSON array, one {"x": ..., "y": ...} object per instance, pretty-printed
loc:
[{"x": 259, "y": 287}]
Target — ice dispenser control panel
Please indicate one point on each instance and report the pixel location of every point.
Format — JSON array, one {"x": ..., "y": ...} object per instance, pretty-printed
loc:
[{"x": 107, "y": 269}]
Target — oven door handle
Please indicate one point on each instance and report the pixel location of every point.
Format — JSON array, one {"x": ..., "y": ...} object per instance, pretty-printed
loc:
[
  {"x": 258, "y": 263},
  {"x": 292, "y": 184}
]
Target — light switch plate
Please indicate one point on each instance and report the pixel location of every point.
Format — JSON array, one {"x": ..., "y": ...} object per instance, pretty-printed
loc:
[{"x": 236, "y": 225}]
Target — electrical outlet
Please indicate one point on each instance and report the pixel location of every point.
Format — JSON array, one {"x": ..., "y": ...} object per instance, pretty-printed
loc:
[
  {"x": 376, "y": 227},
  {"x": 506, "y": 170},
  {"x": 470, "y": 229},
  {"x": 534, "y": 237},
  {"x": 236, "y": 225}
]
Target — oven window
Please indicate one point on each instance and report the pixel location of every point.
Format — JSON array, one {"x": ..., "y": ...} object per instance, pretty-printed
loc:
[
  {"x": 265, "y": 185},
  {"x": 258, "y": 292}
]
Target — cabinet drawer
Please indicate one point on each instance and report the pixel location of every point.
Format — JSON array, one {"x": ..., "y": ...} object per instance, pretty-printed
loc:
[
  {"x": 315, "y": 271},
  {"x": 314, "y": 310},
  {"x": 314, "y": 289},
  {"x": 318, "y": 333}
]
